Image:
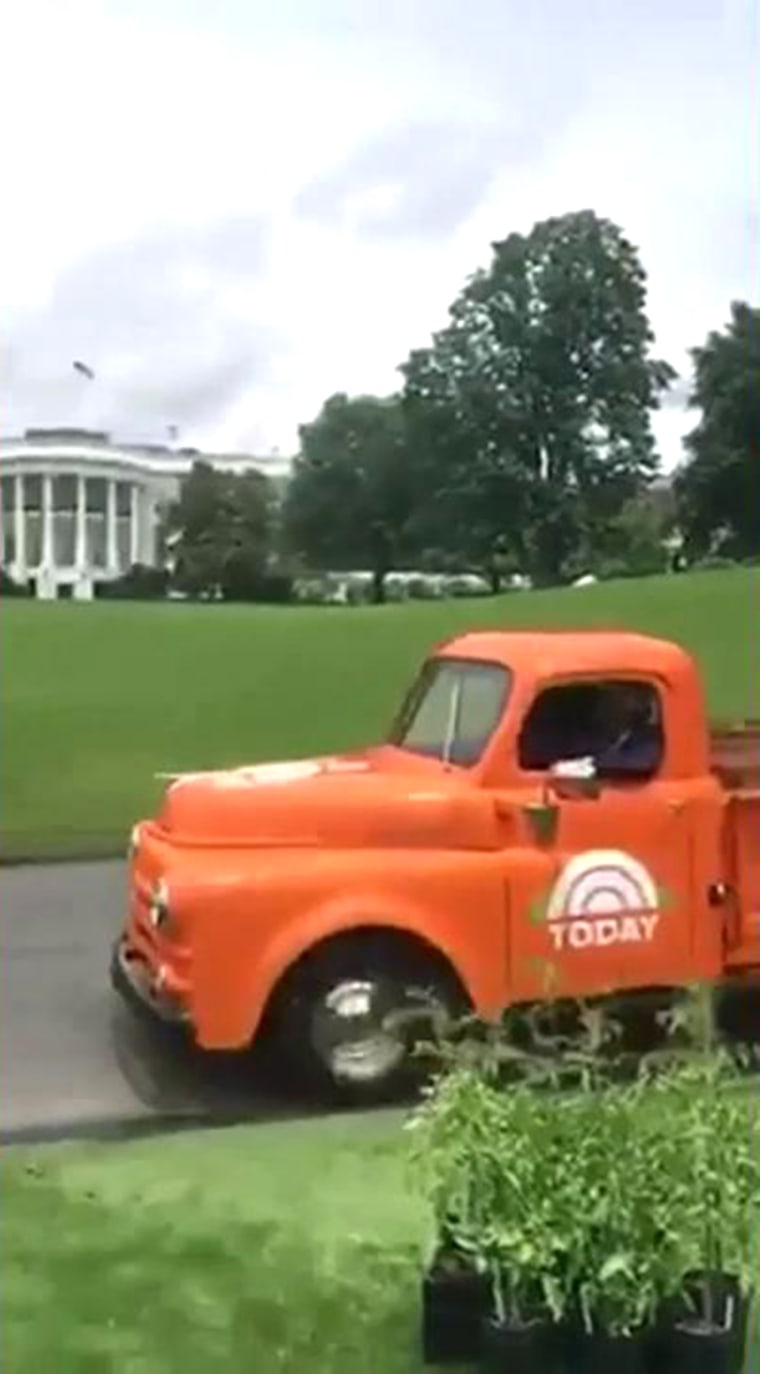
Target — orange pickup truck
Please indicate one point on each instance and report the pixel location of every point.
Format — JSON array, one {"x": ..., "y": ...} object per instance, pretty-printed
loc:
[{"x": 544, "y": 801}]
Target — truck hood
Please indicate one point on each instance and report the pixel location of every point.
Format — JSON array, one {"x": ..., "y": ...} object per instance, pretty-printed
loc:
[{"x": 381, "y": 798}]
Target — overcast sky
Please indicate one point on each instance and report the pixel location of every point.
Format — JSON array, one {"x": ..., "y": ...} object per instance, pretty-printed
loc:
[{"x": 232, "y": 210}]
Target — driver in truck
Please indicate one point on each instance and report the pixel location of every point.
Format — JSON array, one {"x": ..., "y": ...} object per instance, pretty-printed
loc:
[{"x": 630, "y": 731}]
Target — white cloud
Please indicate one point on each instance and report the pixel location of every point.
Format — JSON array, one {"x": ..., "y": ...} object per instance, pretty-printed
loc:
[{"x": 163, "y": 124}]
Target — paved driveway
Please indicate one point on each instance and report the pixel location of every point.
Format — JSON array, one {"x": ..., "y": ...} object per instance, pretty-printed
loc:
[{"x": 71, "y": 1057}]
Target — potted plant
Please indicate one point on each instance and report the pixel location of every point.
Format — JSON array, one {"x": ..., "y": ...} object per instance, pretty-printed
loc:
[
  {"x": 620, "y": 1258},
  {"x": 716, "y": 1182},
  {"x": 519, "y": 1332},
  {"x": 713, "y": 1181},
  {"x": 521, "y": 1241},
  {"x": 457, "y": 1115},
  {"x": 454, "y": 1134}
]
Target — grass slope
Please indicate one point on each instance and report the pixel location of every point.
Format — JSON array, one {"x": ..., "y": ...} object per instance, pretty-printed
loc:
[
  {"x": 279, "y": 1249},
  {"x": 95, "y": 699}
]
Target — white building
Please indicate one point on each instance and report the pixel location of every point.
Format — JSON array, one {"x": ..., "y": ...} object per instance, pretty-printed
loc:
[{"x": 77, "y": 510}]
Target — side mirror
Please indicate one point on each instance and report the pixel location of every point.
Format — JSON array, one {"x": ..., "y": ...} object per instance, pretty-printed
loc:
[{"x": 574, "y": 780}]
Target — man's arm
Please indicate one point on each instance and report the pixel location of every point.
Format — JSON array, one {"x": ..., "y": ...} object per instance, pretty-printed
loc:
[{"x": 635, "y": 753}]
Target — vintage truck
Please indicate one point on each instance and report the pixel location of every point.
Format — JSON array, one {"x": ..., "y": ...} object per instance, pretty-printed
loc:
[{"x": 544, "y": 801}]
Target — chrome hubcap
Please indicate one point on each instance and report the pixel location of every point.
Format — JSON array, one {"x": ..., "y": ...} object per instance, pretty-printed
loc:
[{"x": 353, "y": 1031}]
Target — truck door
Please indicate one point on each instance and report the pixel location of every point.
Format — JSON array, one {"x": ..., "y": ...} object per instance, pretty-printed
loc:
[{"x": 622, "y": 904}]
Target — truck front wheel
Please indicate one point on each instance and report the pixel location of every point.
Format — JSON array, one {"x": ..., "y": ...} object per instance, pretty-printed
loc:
[{"x": 349, "y": 1016}]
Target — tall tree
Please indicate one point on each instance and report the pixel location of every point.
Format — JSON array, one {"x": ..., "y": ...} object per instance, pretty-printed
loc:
[
  {"x": 348, "y": 503},
  {"x": 221, "y": 526},
  {"x": 530, "y": 414},
  {"x": 719, "y": 486}
]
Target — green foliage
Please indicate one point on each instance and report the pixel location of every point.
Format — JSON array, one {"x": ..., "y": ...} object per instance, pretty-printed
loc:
[
  {"x": 223, "y": 525},
  {"x": 599, "y": 1205},
  {"x": 450, "y": 1137},
  {"x": 348, "y": 503},
  {"x": 140, "y": 583},
  {"x": 10, "y": 588},
  {"x": 631, "y": 544},
  {"x": 529, "y": 415},
  {"x": 719, "y": 487}
]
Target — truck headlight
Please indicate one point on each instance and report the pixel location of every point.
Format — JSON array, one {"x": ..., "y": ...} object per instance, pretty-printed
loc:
[{"x": 159, "y": 904}]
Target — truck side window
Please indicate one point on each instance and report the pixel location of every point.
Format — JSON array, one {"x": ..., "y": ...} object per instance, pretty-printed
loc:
[{"x": 618, "y": 723}]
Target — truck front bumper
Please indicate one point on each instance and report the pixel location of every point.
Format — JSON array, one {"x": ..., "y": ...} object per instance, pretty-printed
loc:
[{"x": 141, "y": 988}]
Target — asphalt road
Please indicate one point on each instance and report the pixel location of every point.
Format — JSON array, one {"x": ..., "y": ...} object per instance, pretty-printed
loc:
[{"x": 72, "y": 1058}]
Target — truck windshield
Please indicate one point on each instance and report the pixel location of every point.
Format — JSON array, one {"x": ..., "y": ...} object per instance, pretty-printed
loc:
[{"x": 452, "y": 710}]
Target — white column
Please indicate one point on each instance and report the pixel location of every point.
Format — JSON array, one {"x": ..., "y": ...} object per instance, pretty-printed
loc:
[
  {"x": 111, "y": 551},
  {"x": 134, "y": 525},
  {"x": 20, "y": 526},
  {"x": 47, "y": 522},
  {"x": 80, "y": 553}
]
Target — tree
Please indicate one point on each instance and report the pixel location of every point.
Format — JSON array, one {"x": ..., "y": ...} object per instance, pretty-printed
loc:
[
  {"x": 222, "y": 527},
  {"x": 718, "y": 488},
  {"x": 348, "y": 504},
  {"x": 530, "y": 414},
  {"x": 635, "y": 542}
]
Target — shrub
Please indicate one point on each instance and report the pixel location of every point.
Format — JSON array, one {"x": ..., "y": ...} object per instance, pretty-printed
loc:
[
  {"x": 713, "y": 563},
  {"x": 8, "y": 587},
  {"x": 140, "y": 583}
]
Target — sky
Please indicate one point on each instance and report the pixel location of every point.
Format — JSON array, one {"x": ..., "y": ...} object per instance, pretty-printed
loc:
[{"x": 232, "y": 211}]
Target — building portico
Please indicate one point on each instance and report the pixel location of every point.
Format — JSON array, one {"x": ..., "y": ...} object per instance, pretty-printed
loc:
[{"x": 77, "y": 511}]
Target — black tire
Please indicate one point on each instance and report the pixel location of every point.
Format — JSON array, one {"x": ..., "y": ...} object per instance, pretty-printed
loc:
[{"x": 407, "y": 979}]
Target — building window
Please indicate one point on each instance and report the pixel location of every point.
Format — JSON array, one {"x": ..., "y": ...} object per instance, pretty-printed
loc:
[
  {"x": 96, "y": 495},
  {"x": 123, "y": 545},
  {"x": 123, "y": 525},
  {"x": 123, "y": 499},
  {"x": 65, "y": 493},
  {"x": 32, "y": 492},
  {"x": 96, "y": 499},
  {"x": 33, "y": 535},
  {"x": 8, "y": 518},
  {"x": 8, "y": 494},
  {"x": 95, "y": 540},
  {"x": 64, "y": 539}
]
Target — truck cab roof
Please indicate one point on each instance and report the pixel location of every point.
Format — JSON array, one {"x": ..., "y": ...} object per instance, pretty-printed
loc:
[{"x": 556, "y": 653}]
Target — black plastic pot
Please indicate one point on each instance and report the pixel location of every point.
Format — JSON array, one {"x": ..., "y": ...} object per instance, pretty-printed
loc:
[
  {"x": 455, "y": 1301},
  {"x": 601, "y": 1353},
  {"x": 528, "y": 1349},
  {"x": 690, "y": 1345},
  {"x": 598, "y": 1352}
]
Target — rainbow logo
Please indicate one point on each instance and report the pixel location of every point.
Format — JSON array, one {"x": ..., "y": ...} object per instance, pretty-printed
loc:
[{"x": 602, "y": 897}]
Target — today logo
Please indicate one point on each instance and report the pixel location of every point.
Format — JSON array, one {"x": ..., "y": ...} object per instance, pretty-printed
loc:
[{"x": 603, "y": 897}]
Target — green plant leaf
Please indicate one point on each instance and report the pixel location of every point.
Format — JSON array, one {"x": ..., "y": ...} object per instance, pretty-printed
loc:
[
  {"x": 614, "y": 1266},
  {"x": 538, "y": 909}
]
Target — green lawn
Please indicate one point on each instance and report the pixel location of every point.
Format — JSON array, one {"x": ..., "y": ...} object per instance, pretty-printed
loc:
[
  {"x": 275, "y": 1249},
  {"x": 280, "y": 1248},
  {"x": 95, "y": 699}
]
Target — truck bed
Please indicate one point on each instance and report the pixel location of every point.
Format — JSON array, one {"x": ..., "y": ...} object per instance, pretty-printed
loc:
[
  {"x": 735, "y": 754},
  {"x": 735, "y": 760}
]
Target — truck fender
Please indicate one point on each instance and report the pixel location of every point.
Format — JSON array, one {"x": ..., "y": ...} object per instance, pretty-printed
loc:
[{"x": 346, "y": 916}]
